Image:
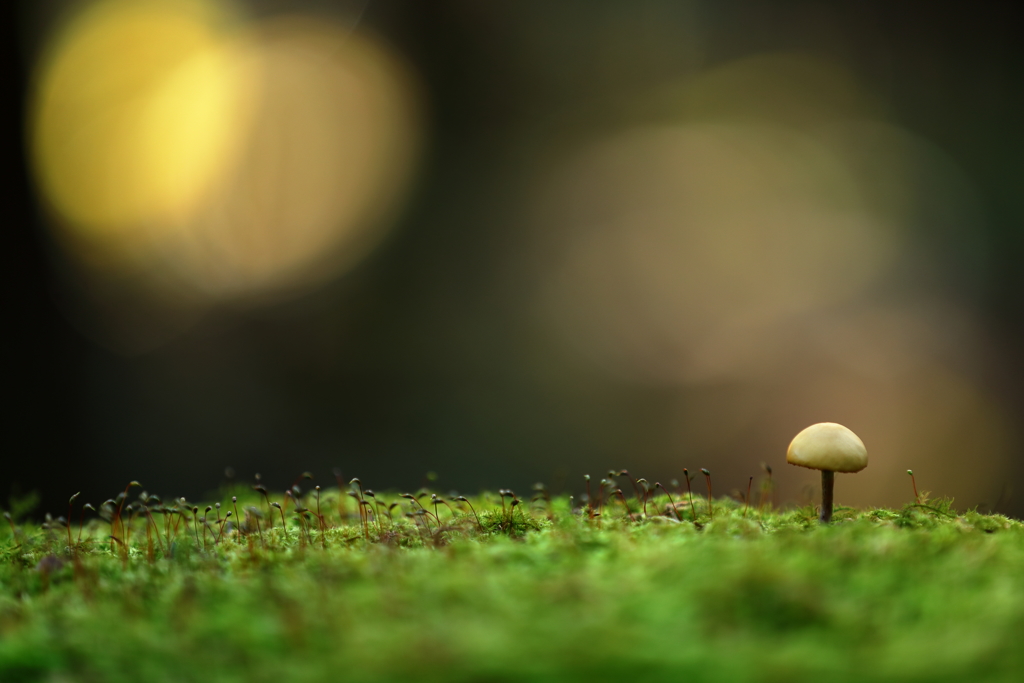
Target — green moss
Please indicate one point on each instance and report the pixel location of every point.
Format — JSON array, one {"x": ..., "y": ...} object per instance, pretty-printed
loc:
[{"x": 541, "y": 593}]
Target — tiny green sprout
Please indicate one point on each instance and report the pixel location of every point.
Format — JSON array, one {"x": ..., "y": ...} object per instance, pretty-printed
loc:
[
  {"x": 71, "y": 501},
  {"x": 221, "y": 525},
  {"x": 121, "y": 497},
  {"x": 151, "y": 521},
  {"x": 647, "y": 489},
  {"x": 625, "y": 473},
  {"x": 434, "y": 499},
  {"x": 262, "y": 490},
  {"x": 320, "y": 520},
  {"x": 689, "y": 492},
  {"x": 503, "y": 493},
  {"x": 766, "y": 486},
  {"x": 711, "y": 508},
  {"x": 205, "y": 513},
  {"x": 451, "y": 510},
  {"x": 255, "y": 514},
  {"x": 671, "y": 502},
  {"x": 625, "y": 504},
  {"x": 359, "y": 509},
  {"x": 746, "y": 500},
  {"x": 130, "y": 511},
  {"x": 372, "y": 508},
  {"x": 590, "y": 499},
  {"x": 283, "y": 523},
  {"x": 81, "y": 517},
  {"x": 10, "y": 520},
  {"x": 195, "y": 524},
  {"x": 467, "y": 502}
]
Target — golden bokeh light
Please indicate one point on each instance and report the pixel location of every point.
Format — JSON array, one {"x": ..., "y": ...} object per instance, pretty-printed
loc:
[
  {"x": 331, "y": 146},
  {"x": 136, "y": 115},
  {"x": 211, "y": 158}
]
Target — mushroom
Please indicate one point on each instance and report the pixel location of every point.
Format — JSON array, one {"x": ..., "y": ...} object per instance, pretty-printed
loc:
[{"x": 831, "y": 448}]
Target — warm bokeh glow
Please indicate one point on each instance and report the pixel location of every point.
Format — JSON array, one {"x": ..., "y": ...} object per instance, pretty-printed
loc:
[
  {"x": 740, "y": 254},
  {"x": 136, "y": 117},
  {"x": 689, "y": 249},
  {"x": 330, "y": 148},
  {"x": 211, "y": 158}
]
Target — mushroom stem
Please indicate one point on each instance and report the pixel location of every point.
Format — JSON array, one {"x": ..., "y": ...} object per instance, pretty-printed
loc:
[{"x": 828, "y": 478}]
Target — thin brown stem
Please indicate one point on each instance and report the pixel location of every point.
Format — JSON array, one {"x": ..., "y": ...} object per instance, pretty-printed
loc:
[
  {"x": 746, "y": 501},
  {"x": 629, "y": 513},
  {"x": 465, "y": 500},
  {"x": 828, "y": 478},
  {"x": 689, "y": 492},
  {"x": 711, "y": 507},
  {"x": 657, "y": 484},
  {"x": 68, "y": 520},
  {"x": 238, "y": 520},
  {"x": 320, "y": 521}
]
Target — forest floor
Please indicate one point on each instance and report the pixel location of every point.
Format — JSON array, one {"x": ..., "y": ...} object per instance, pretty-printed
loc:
[{"x": 541, "y": 590}]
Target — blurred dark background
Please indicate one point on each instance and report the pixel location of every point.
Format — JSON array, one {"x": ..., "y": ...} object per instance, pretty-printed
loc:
[{"x": 513, "y": 242}]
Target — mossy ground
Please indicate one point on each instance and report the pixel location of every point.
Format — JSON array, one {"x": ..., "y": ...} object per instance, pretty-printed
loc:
[{"x": 536, "y": 592}]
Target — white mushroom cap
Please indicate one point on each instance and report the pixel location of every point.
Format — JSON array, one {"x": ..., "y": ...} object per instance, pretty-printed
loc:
[{"x": 828, "y": 446}]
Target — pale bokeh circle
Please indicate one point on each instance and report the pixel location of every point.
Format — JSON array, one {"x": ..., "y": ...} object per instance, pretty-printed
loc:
[
  {"x": 685, "y": 248},
  {"x": 134, "y": 117},
  {"x": 214, "y": 159},
  {"x": 331, "y": 149}
]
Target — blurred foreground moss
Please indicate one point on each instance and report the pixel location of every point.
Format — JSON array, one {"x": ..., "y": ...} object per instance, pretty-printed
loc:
[{"x": 508, "y": 592}]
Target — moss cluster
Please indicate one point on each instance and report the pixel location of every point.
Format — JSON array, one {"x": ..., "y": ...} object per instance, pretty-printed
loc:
[{"x": 544, "y": 590}]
